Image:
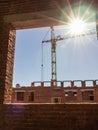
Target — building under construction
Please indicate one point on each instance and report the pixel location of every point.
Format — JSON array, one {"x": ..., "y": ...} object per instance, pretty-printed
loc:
[
  {"x": 65, "y": 92},
  {"x": 55, "y": 91}
]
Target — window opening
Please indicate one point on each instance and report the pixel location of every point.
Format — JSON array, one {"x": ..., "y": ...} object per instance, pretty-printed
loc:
[
  {"x": 91, "y": 97},
  {"x": 56, "y": 99},
  {"x": 20, "y": 96},
  {"x": 88, "y": 95},
  {"x": 31, "y": 96},
  {"x": 67, "y": 83},
  {"x": 89, "y": 83},
  {"x": 74, "y": 94},
  {"x": 77, "y": 83},
  {"x": 66, "y": 94}
]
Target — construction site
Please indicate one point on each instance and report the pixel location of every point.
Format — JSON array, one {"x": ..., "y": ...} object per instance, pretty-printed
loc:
[
  {"x": 54, "y": 104},
  {"x": 54, "y": 90}
]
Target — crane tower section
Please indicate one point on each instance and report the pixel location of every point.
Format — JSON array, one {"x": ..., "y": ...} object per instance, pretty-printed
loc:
[{"x": 53, "y": 57}]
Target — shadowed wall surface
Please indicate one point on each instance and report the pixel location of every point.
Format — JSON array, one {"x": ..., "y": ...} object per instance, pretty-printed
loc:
[{"x": 49, "y": 117}]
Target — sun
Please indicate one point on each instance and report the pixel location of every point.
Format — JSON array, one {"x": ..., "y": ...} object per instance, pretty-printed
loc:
[{"x": 77, "y": 26}]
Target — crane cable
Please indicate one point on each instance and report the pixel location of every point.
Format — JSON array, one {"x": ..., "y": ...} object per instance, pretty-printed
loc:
[{"x": 42, "y": 73}]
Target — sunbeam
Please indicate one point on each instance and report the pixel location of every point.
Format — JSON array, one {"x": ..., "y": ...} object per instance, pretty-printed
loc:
[{"x": 77, "y": 26}]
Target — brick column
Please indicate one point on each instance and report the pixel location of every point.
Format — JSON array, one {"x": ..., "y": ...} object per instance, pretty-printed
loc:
[
  {"x": 62, "y": 84},
  {"x": 83, "y": 84},
  {"x": 72, "y": 83},
  {"x": 94, "y": 83},
  {"x": 7, "y": 45},
  {"x": 79, "y": 96}
]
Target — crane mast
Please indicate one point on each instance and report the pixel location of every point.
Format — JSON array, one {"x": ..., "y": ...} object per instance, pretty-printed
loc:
[{"x": 53, "y": 57}]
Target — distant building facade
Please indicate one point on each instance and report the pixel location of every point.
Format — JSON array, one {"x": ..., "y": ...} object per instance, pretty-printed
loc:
[{"x": 65, "y": 92}]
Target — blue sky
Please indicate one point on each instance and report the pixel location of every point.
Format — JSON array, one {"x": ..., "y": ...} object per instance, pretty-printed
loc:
[{"x": 76, "y": 57}]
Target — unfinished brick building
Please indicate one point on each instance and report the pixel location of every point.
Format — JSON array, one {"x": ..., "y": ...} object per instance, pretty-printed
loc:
[
  {"x": 65, "y": 92},
  {"x": 21, "y": 14}
]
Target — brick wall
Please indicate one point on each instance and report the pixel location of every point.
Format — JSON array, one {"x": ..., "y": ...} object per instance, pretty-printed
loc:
[
  {"x": 49, "y": 117},
  {"x": 7, "y": 44}
]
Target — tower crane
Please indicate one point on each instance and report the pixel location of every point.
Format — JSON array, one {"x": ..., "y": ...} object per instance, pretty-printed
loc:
[{"x": 53, "y": 41}]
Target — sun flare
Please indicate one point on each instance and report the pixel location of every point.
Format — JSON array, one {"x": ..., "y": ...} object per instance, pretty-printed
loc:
[{"x": 77, "y": 26}]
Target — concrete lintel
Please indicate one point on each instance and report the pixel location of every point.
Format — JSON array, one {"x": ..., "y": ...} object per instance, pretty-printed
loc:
[{"x": 37, "y": 19}]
